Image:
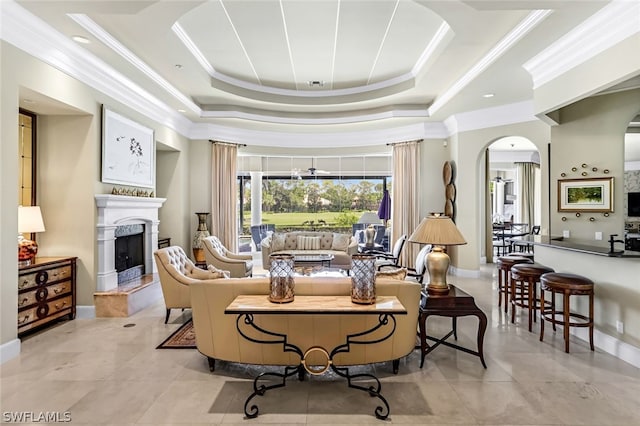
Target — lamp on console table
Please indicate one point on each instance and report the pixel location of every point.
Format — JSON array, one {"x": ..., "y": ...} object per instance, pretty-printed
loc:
[
  {"x": 29, "y": 221},
  {"x": 438, "y": 230}
]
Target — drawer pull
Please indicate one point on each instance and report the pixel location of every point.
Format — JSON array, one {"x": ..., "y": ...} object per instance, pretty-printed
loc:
[
  {"x": 23, "y": 319},
  {"x": 58, "y": 290},
  {"x": 23, "y": 284},
  {"x": 23, "y": 301},
  {"x": 59, "y": 306}
]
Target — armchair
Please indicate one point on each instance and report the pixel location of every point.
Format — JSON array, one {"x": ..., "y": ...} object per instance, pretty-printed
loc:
[
  {"x": 420, "y": 267},
  {"x": 176, "y": 272},
  {"x": 239, "y": 265},
  {"x": 384, "y": 259}
]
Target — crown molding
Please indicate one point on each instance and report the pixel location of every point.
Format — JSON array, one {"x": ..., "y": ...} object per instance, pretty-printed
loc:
[
  {"x": 34, "y": 36},
  {"x": 37, "y": 38},
  {"x": 615, "y": 22}
]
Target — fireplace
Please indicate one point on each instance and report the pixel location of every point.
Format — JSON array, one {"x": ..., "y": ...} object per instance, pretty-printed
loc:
[
  {"x": 129, "y": 252},
  {"x": 125, "y": 213}
]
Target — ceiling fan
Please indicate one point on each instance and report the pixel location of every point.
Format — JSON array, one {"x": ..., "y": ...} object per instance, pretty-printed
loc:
[{"x": 311, "y": 171}]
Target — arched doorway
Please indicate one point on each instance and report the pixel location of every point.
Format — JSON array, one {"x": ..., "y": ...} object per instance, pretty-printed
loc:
[{"x": 513, "y": 188}]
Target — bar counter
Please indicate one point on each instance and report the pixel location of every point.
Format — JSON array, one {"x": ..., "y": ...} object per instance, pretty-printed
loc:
[{"x": 568, "y": 244}]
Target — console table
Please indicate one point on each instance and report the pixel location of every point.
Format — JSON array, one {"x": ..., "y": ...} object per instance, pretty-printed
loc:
[
  {"x": 247, "y": 306},
  {"x": 456, "y": 303}
]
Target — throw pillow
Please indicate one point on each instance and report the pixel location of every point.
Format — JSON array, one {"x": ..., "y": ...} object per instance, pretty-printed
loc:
[
  {"x": 340, "y": 242},
  {"x": 308, "y": 243},
  {"x": 277, "y": 242},
  {"x": 396, "y": 274}
]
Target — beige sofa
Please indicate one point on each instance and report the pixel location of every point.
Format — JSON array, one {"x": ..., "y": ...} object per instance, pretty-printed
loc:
[
  {"x": 342, "y": 246},
  {"x": 218, "y": 338}
]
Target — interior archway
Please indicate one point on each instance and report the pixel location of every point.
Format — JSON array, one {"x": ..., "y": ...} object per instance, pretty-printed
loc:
[{"x": 513, "y": 188}]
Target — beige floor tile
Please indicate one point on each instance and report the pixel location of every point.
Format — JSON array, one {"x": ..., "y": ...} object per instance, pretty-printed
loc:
[{"x": 105, "y": 372}]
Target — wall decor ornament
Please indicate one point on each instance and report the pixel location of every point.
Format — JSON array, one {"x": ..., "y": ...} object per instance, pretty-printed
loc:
[
  {"x": 128, "y": 151},
  {"x": 589, "y": 194}
]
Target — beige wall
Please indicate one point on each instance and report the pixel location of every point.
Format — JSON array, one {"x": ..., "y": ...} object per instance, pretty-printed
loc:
[
  {"x": 592, "y": 131},
  {"x": 69, "y": 152},
  {"x": 468, "y": 151}
]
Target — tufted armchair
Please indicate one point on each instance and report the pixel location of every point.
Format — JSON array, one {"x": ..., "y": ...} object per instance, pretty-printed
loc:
[
  {"x": 239, "y": 265},
  {"x": 176, "y": 272}
]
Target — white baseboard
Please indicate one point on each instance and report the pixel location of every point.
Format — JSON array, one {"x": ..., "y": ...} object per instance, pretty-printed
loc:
[
  {"x": 610, "y": 345},
  {"x": 467, "y": 273},
  {"x": 9, "y": 350},
  {"x": 85, "y": 312}
]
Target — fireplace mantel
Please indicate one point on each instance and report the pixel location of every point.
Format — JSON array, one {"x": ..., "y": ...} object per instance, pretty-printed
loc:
[{"x": 117, "y": 210}]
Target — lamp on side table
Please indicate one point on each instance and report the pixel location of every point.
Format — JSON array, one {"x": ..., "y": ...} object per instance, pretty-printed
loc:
[{"x": 438, "y": 230}]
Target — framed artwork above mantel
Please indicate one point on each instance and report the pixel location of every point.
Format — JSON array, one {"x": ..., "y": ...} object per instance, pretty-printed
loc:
[
  {"x": 128, "y": 151},
  {"x": 585, "y": 195}
]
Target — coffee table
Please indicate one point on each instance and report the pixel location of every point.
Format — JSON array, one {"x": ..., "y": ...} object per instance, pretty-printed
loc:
[
  {"x": 306, "y": 259},
  {"x": 319, "y": 271}
]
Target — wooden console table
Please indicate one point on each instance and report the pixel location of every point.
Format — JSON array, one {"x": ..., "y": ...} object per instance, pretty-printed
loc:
[
  {"x": 454, "y": 304},
  {"x": 246, "y": 306}
]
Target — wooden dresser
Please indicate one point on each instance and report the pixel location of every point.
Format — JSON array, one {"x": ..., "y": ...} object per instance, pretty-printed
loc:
[{"x": 46, "y": 292}]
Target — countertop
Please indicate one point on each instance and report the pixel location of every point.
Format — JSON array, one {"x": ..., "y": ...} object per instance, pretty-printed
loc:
[{"x": 568, "y": 244}]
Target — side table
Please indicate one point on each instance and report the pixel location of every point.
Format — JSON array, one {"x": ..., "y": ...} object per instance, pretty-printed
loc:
[{"x": 454, "y": 304}]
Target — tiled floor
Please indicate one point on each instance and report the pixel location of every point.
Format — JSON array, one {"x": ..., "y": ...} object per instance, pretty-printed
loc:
[{"x": 101, "y": 371}]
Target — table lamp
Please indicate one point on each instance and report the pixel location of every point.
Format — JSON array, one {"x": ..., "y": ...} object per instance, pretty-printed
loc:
[
  {"x": 438, "y": 230},
  {"x": 29, "y": 221}
]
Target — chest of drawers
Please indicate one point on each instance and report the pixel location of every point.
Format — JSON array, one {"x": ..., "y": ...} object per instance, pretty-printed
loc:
[{"x": 46, "y": 292}]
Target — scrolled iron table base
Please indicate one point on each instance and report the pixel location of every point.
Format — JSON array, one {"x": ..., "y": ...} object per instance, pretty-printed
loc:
[{"x": 259, "y": 389}]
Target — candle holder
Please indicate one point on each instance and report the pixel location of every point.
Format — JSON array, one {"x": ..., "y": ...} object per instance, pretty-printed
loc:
[
  {"x": 281, "y": 278},
  {"x": 363, "y": 279}
]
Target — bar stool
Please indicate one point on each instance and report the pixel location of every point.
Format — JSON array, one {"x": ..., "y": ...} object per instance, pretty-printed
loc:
[
  {"x": 523, "y": 254},
  {"x": 567, "y": 285},
  {"x": 504, "y": 265},
  {"x": 524, "y": 291}
]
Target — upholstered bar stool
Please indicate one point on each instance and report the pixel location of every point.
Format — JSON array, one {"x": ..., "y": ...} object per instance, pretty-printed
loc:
[
  {"x": 524, "y": 288},
  {"x": 504, "y": 264},
  {"x": 567, "y": 285},
  {"x": 523, "y": 254}
]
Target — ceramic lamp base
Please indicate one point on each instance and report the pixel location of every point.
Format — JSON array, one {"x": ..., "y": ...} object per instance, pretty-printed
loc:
[{"x": 437, "y": 265}]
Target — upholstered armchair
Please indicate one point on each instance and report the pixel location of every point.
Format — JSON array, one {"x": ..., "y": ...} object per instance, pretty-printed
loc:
[
  {"x": 239, "y": 265},
  {"x": 176, "y": 272}
]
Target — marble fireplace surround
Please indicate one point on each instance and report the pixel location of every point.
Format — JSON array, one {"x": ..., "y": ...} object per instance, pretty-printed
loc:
[{"x": 117, "y": 210}]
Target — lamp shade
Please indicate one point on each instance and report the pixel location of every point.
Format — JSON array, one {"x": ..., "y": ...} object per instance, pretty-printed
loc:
[
  {"x": 369, "y": 217},
  {"x": 384, "y": 211},
  {"x": 437, "y": 230},
  {"x": 30, "y": 219}
]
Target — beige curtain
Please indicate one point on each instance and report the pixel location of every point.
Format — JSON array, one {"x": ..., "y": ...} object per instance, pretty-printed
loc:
[
  {"x": 526, "y": 190},
  {"x": 406, "y": 196},
  {"x": 224, "y": 194}
]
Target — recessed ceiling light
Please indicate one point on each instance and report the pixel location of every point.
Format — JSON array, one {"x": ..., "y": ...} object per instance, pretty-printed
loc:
[
  {"x": 179, "y": 66},
  {"x": 488, "y": 95},
  {"x": 28, "y": 101},
  {"x": 182, "y": 110},
  {"x": 315, "y": 83},
  {"x": 80, "y": 39}
]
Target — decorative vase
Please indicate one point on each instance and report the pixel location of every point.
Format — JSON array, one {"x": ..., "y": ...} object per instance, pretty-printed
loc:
[
  {"x": 281, "y": 278},
  {"x": 201, "y": 233},
  {"x": 370, "y": 234},
  {"x": 363, "y": 279}
]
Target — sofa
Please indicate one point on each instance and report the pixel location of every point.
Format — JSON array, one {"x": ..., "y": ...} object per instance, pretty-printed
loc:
[
  {"x": 342, "y": 246},
  {"x": 218, "y": 339}
]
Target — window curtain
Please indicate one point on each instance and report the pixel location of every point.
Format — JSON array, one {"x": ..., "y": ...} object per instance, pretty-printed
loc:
[
  {"x": 224, "y": 194},
  {"x": 406, "y": 197},
  {"x": 526, "y": 192}
]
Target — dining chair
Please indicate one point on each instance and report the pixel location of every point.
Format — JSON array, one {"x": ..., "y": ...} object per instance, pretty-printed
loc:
[{"x": 392, "y": 258}]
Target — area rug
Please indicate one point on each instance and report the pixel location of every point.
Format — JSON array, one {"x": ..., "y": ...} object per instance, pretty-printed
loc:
[{"x": 183, "y": 338}]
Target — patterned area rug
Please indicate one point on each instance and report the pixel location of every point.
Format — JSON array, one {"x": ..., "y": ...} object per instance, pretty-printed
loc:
[{"x": 183, "y": 338}]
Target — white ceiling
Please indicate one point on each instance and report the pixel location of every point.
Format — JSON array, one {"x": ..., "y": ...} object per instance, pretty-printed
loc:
[{"x": 379, "y": 62}]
